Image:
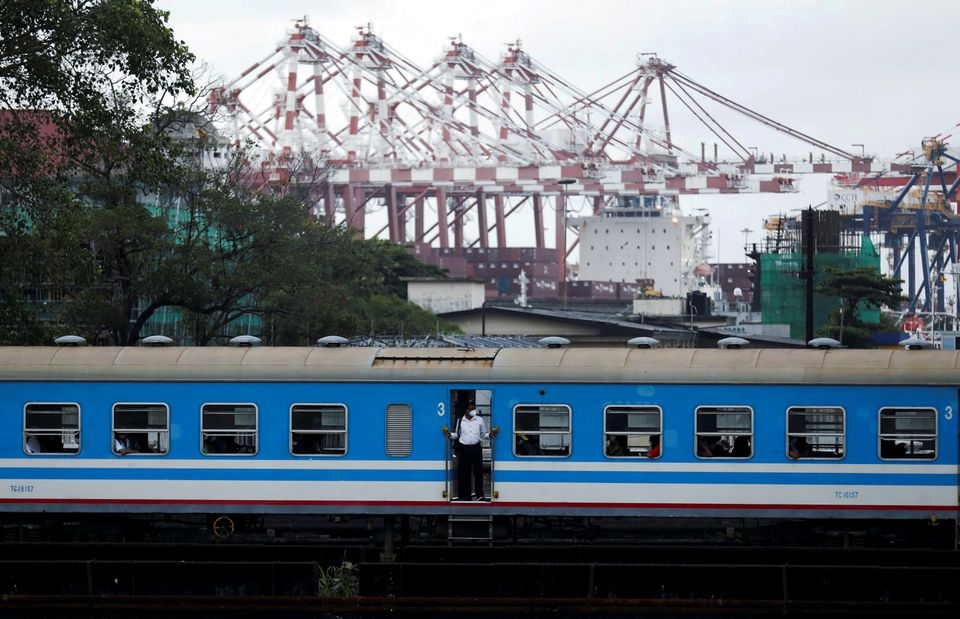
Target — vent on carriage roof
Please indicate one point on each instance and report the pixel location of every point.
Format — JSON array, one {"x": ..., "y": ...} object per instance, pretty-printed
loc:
[
  {"x": 245, "y": 340},
  {"x": 823, "y": 342},
  {"x": 554, "y": 342},
  {"x": 156, "y": 340},
  {"x": 332, "y": 341},
  {"x": 70, "y": 340},
  {"x": 916, "y": 343},
  {"x": 643, "y": 342},
  {"x": 733, "y": 342}
]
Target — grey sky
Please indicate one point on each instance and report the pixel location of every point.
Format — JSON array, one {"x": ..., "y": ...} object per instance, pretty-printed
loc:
[{"x": 882, "y": 73}]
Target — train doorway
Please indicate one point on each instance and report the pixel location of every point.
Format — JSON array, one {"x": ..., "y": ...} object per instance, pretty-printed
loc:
[{"x": 458, "y": 461}]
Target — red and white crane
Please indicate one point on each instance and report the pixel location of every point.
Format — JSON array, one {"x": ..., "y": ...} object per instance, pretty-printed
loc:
[{"x": 469, "y": 135}]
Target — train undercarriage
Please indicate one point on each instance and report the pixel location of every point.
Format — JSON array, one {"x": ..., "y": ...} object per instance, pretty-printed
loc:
[{"x": 404, "y": 530}]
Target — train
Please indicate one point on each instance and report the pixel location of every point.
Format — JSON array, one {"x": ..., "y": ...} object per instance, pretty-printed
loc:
[{"x": 663, "y": 435}]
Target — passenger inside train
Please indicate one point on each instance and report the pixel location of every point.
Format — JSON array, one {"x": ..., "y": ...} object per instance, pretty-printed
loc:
[
  {"x": 892, "y": 449},
  {"x": 124, "y": 444},
  {"x": 710, "y": 447},
  {"x": 799, "y": 448},
  {"x": 654, "y": 451},
  {"x": 616, "y": 446}
]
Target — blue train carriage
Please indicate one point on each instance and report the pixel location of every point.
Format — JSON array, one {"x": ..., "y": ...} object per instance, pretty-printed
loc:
[
  {"x": 705, "y": 433},
  {"x": 599, "y": 432}
]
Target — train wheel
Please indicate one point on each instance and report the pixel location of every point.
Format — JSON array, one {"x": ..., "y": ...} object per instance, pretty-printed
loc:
[{"x": 223, "y": 527}]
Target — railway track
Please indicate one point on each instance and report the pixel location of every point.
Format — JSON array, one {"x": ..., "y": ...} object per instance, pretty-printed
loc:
[
  {"x": 239, "y": 580},
  {"x": 241, "y": 607}
]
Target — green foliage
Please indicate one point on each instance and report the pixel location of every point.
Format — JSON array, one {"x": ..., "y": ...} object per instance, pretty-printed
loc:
[
  {"x": 865, "y": 285},
  {"x": 72, "y": 56},
  {"x": 249, "y": 250},
  {"x": 43, "y": 256},
  {"x": 229, "y": 253},
  {"x": 856, "y": 288},
  {"x": 264, "y": 255},
  {"x": 391, "y": 314},
  {"x": 850, "y": 335},
  {"x": 127, "y": 246},
  {"x": 107, "y": 216},
  {"x": 387, "y": 263},
  {"x": 76, "y": 78},
  {"x": 339, "y": 581}
]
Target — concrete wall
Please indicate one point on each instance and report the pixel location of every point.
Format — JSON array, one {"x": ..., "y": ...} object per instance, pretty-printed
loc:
[
  {"x": 501, "y": 324},
  {"x": 627, "y": 249},
  {"x": 755, "y": 328},
  {"x": 658, "y": 307},
  {"x": 442, "y": 296}
]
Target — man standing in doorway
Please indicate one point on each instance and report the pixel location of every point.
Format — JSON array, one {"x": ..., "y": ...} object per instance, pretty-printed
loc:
[{"x": 468, "y": 437}]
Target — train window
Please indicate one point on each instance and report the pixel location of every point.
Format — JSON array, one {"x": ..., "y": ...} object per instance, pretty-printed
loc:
[
  {"x": 632, "y": 431},
  {"x": 141, "y": 429},
  {"x": 724, "y": 432},
  {"x": 228, "y": 429},
  {"x": 908, "y": 433},
  {"x": 541, "y": 430},
  {"x": 51, "y": 428},
  {"x": 318, "y": 429},
  {"x": 399, "y": 430},
  {"x": 815, "y": 432}
]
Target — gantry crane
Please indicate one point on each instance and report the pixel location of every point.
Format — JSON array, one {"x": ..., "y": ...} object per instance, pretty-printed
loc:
[{"x": 468, "y": 133}]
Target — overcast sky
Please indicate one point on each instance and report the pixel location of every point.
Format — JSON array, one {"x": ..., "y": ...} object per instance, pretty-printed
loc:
[{"x": 883, "y": 73}]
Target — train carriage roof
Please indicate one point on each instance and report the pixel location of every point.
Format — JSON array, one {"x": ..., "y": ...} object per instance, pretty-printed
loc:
[{"x": 588, "y": 365}]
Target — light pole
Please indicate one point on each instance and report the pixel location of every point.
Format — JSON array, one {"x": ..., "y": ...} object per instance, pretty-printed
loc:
[
  {"x": 840, "y": 339},
  {"x": 562, "y": 238}
]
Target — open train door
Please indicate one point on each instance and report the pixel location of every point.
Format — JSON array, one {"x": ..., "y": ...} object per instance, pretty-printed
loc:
[{"x": 459, "y": 399}]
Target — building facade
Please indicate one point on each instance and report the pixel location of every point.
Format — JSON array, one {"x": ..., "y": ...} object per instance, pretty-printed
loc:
[{"x": 644, "y": 240}]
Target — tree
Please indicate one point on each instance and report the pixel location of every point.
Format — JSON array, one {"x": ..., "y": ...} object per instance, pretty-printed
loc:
[
  {"x": 74, "y": 77},
  {"x": 224, "y": 246},
  {"x": 103, "y": 191},
  {"x": 357, "y": 291},
  {"x": 34, "y": 272},
  {"x": 254, "y": 248},
  {"x": 856, "y": 288},
  {"x": 387, "y": 263},
  {"x": 255, "y": 252},
  {"x": 77, "y": 82},
  {"x": 75, "y": 57}
]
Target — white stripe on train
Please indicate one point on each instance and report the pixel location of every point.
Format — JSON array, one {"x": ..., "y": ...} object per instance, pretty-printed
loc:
[{"x": 839, "y": 496}]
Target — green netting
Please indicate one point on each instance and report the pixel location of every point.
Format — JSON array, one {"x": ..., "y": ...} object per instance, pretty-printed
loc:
[{"x": 783, "y": 289}]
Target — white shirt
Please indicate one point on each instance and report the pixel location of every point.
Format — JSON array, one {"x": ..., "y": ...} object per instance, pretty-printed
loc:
[
  {"x": 122, "y": 444},
  {"x": 471, "y": 430}
]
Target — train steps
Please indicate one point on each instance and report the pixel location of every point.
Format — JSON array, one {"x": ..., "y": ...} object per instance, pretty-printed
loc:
[{"x": 469, "y": 528}]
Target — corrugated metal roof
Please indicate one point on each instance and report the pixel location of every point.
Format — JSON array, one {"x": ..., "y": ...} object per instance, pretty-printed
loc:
[
  {"x": 592, "y": 318},
  {"x": 491, "y": 341}
]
